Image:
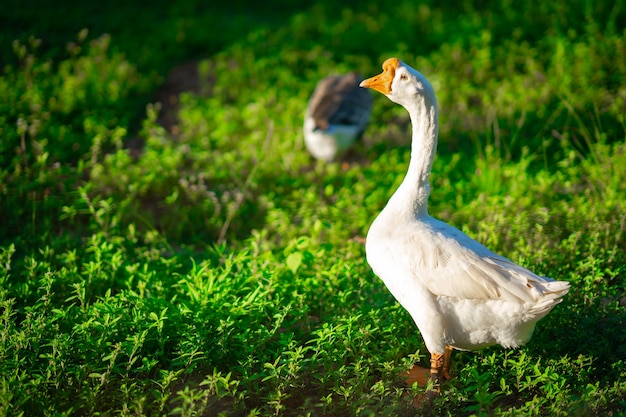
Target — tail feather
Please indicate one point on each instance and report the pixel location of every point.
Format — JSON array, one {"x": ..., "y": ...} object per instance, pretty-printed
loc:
[{"x": 553, "y": 293}]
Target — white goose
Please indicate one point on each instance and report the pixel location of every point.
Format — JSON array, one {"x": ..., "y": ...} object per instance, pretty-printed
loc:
[
  {"x": 459, "y": 293},
  {"x": 336, "y": 116}
]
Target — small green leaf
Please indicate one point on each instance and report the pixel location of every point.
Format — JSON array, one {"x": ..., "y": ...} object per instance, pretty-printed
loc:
[{"x": 294, "y": 261}]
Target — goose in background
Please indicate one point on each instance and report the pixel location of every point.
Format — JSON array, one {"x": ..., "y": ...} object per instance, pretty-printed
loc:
[
  {"x": 460, "y": 294},
  {"x": 336, "y": 115}
]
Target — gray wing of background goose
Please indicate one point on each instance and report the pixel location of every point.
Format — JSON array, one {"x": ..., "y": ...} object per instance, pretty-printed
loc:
[{"x": 338, "y": 99}]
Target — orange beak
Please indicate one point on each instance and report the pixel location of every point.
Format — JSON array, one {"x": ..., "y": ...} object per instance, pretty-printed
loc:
[{"x": 382, "y": 82}]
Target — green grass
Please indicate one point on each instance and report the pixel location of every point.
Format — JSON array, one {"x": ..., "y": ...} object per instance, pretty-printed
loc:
[{"x": 211, "y": 268}]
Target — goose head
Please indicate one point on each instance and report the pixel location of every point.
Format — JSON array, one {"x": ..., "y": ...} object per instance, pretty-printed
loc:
[{"x": 402, "y": 84}]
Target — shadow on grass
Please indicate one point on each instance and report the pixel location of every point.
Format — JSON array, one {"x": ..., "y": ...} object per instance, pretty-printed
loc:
[{"x": 594, "y": 330}]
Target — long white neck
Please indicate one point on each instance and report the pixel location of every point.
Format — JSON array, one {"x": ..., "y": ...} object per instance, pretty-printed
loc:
[{"x": 411, "y": 198}]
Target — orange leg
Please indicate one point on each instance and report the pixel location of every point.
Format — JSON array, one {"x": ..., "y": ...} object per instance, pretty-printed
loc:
[
  {"x": 439, "y": 370},
  {"x": 446, "y": 363},
  {"x": 436, "y": 369}
]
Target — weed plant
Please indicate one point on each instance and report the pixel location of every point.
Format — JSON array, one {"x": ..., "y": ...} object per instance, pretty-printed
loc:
[{"x": 208, "y": 266}]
